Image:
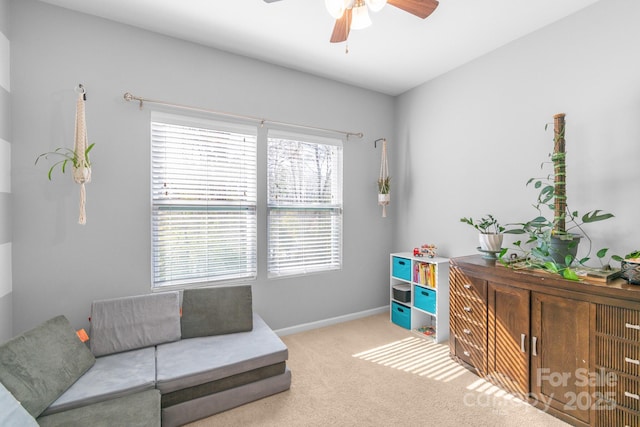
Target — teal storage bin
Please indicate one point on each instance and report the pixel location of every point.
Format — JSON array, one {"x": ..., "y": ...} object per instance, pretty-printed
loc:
[
  {"x": 425, "y": 299},
  {"x": 401, "y": 315},
  {"x": 401, "y": 268}
]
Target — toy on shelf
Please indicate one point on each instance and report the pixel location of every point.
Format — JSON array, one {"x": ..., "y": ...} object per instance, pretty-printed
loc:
[
  {"x": 427, "y": 330},
  {"x": 428, "y": 250}
]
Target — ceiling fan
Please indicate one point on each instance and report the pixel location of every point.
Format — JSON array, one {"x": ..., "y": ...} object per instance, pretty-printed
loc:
[{"x": 354, "y": 14}]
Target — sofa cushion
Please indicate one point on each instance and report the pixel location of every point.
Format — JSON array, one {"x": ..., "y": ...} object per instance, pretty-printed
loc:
[
  {"x": 216, "y": 311},
  {"x": 128, "y": 323},
  {"x": 39, "y": 365},
  {"x": 136, "y": 410},
  {"x": 194, "y": 361},
  {"x": 12, "y": 414},
  {"x": 112, "y": 376}
]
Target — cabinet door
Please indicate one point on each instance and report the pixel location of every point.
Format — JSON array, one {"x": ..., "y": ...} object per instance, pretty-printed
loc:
[
  {"x": 508, "y": 333},
  {"x": 560, "y": 330}
]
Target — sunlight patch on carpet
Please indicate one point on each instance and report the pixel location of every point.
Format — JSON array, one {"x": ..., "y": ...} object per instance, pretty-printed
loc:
[
  {"x": 483, "y": 386},
  {"x": 417, "y": 356}
]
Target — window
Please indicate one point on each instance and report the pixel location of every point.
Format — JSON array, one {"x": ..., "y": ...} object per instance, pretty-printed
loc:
[
  {"x": 203, "y": 201},
  {"x": 304, "y": 204}
]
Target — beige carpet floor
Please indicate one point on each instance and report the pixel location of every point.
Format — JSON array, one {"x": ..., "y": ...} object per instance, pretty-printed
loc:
[{"x": 370, "y": 372}]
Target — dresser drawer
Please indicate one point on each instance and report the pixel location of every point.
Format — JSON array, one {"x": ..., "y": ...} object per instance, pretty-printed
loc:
[
  {"x": 470, "y": 330},
  {"x": 471, "y": 355},
  {"x": 618, "y": 322},
  {"x": 470, "y": 308},
  {"x": 470, "y": 287},
  {"x": 623, "y": 390},
  {"x": 618, "y": 417},
  {"x": 618, "y": 355}
]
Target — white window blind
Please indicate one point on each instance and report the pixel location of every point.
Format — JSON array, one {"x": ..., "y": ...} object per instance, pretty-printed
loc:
[
  {"x": 304, "y": 204},
  {"x": 204, "y": 225}
]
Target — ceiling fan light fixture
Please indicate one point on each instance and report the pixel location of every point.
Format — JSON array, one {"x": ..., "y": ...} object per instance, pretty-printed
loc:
[
  {"x": 375, "y": 5},
  {"x": 360, "y": 16},
  {"x": 335, "y": 7}
]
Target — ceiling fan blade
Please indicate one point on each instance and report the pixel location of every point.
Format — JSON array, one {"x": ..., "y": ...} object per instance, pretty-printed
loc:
[
  {"x": 342, "y": 27},
  {"x": 421, "y": 8}
]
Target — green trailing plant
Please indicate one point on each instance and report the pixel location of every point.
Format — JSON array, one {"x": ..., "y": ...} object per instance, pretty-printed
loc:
[
  {"x": 384, "y": 185},
  {"x": 543, "y": 233},
  {"x": 488, "y": 224},
  {"x": 635, "y": 255},
  {"x": 65, "y": 157}
]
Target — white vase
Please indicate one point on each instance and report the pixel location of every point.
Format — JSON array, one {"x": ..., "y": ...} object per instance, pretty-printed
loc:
[
  {"x": 82, "y": 175},
  {"x": 490, "y": 242}
]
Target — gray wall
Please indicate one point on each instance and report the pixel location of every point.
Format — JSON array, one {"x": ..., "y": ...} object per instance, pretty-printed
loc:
[
  {"x": 60, "y": 266},
  {"x": 6, "y": 285},
  {"x": 471, "y": 138}
]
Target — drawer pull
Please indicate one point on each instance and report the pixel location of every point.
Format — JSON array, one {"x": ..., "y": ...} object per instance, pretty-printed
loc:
[
  {"x": 467, "y": 331},
  {"x": 466, "y": 353},
  {"x": 534, "y": 345},
  {"x": 632, "y": 326},
  {"x": 631, "y": 395},
  {"x": 522, "y": 338},
  {"x": 466, "y": 286},
  {"x": 467, "y": 309},
  {"x": 630, "y": 360}
]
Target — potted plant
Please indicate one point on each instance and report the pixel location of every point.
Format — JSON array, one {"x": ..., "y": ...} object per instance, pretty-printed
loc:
[
  {"x": 630, "y": 266},
  {"x": 384, "y": 188},
  {"x": 384, "y": 196},
  {"x": 491, "y": 232},
  {"x": 556, "y": 240},
  {"x": 81, "y": 167}
]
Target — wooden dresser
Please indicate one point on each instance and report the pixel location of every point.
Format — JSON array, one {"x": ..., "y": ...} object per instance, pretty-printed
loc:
[{"x": 570, "y": 348}]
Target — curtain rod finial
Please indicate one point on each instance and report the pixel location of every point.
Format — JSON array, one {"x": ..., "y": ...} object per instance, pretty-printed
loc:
[{"x": 375, "y": 143}]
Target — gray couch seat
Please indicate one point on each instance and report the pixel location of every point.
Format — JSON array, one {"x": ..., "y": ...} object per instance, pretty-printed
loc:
[
  {"x": 195, "y": 361},
  {"x": 112, "y": 376},
  {"x": 135, "y": 410}
]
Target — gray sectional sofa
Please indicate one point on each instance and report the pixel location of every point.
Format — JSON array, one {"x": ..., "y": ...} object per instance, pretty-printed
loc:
[{"x": 146, "y": 363}]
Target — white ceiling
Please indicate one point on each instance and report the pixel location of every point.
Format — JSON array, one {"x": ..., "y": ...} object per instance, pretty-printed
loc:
[{"x": 398, "y": 52}]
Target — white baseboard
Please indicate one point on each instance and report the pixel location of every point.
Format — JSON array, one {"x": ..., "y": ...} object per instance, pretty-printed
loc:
[{"x": 331, "y": 321}]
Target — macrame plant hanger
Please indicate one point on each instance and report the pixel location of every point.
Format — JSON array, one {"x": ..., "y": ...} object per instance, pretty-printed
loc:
[
  {"x": 81, "y": 169},
  {"x": 383, "y": 180}
]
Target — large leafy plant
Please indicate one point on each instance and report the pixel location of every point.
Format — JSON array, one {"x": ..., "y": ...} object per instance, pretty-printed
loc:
[{"x": 536, "y": 250}]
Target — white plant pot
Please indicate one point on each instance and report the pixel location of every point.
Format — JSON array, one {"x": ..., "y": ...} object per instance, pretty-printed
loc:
[
  {"x": 82, "y": 175},
  {"x": 383, "y": 199},
  {"x": 491, "y": 242}
]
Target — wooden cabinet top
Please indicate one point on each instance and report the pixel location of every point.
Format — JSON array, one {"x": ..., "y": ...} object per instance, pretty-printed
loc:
[{"x": 537, "y": 280}]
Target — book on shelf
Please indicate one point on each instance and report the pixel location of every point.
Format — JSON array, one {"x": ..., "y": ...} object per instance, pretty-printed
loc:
[{"x": 425, "y": 274}]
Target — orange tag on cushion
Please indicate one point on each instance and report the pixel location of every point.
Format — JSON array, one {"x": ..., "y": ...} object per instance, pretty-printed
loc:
[{"x": 82, "y": 334}]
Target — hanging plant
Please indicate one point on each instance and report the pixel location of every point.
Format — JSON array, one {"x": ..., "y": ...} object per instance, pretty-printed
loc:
[
  {"x": 67, "y": 156},
  {"x": 384, "y": 187},
  {"x": 78, "y": 157}
]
